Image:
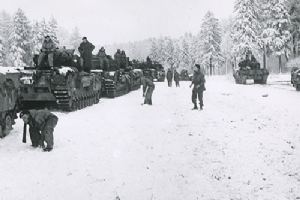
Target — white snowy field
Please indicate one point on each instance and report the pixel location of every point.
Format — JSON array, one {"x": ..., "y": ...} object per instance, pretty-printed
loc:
[{"x": 245, "y": 144}]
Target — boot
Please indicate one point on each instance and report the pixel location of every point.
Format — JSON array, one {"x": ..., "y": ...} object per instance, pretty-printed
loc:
[
  {"x": 195, "y": 107},
  {"x": 47, "y": 149}
]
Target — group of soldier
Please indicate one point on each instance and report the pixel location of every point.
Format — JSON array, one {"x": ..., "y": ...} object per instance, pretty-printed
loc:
[
  {"x": 170, "y": 75},
  {"x": 42, "y": 122}
]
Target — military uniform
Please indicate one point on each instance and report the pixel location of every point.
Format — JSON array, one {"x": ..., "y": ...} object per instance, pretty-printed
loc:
[
  {"x": 169, "y": 77},
  {"x": 86, "y": 49},
  {"x": 48, "y": 49},
  {"x": 41, "y": 127},
  {"x": 176, "y": 78},
  {"x": 199, "y": 86},
  {"x": 148, "y": 88}
]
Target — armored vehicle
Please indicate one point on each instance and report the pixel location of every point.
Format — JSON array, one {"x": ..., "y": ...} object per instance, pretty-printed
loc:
[
  {"x": 250, "y": 69},
  {"x": 295, "y": 77},
  {"x": 64, "y": 87},
  {"x": 118, "y": 76},
  {"x": 9, "y": 92}
]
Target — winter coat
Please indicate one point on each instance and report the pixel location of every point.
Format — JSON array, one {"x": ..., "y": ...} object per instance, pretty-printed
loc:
[
  {"x": 198, "y": 80},
  {"x": 48, "y": 45},
  {"x": 39, "y": 118},
  {"x": 169, "y": 75},
  {"x": 85, "y": 49},
  {"x": 176, "y": 76}
]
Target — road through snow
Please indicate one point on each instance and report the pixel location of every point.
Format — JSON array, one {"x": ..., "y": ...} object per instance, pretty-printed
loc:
[{"x": 245, "y": 144}]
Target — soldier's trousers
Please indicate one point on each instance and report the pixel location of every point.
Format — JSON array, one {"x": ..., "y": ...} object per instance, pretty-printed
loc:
[
  {"x": 42, "y": 56},
  {"x": 47, "y": 132},
  {"x": 86, "y": 64},
  {"x": 197, "y": 93},
  {"x": 148, "y": 96},
  {"x": 177, "y": 83},
  {"x": 170, "y": 83}
]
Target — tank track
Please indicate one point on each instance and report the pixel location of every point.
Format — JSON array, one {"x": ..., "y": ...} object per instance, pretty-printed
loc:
[{"x": 68, "y": 103}]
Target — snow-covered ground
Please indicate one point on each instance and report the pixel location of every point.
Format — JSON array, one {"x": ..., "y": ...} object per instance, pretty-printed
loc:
[{"x": 245, "y": 144}]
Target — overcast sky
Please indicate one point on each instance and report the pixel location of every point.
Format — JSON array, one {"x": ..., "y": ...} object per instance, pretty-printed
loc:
[{"x": 114, "y": 21}]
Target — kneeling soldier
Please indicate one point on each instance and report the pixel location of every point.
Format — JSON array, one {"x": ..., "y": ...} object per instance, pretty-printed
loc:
[{"x": 41, "y": 126}]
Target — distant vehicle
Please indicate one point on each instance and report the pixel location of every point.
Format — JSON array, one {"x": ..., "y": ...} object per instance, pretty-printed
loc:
[
  {"x": 157, "y": 70},
  {"x": 9, "y": 93},
  {"x": 64, "y": 87},
  {"x": 295, "y": 77},
  {"x": 250, "y": 69}
]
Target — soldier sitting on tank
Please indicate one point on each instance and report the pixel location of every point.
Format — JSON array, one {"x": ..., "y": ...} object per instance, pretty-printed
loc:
[
  {"x": 253, "y": 63},
  {"x": 48, "y": 49},
  {"x": 118, "y": 58},
  {"x": 85, "y": 49},
  {"x": 245, "y": 63}
]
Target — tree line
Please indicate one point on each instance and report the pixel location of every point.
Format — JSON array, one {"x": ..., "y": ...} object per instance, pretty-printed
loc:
[{"x": 21, "y": 38}]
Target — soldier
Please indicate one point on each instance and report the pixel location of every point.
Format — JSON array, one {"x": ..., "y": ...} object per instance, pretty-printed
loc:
[
  {"x": 48, "y": 49},
  {"x": 169, "y": 77},
  {"x": 103, "y": 59},
  {"x": 118, "y": 58},
  {"x": 148, "y": 87},
  {"x": 41, "y": 126},
  {"x": 176, "y": 78},
  {"x": 199, "y": 86},
  {"x": 85, "y": 49}
]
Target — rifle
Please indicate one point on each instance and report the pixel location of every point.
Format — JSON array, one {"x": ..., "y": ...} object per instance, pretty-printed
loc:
[{"x": 24, "y": 133}]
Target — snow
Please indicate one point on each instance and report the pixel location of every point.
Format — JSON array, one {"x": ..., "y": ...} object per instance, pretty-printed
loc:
[
  {"x": 245, "y": 144},
  {"x": 5, "y": 70},
  {"x": 64, "y": 70}
]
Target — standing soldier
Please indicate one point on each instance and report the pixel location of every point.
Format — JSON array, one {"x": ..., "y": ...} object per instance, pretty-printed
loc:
[
  {"x": 176, "y": 78},
  {"x": 85, "y": 49},
  {"x": 199, "y": 86},
  {"x": 41, "y": 126},
  {"x": 118, "y": 58},
  {"x": 148, "y": 87},
  {"x": 169, "y": 77},
  {"x": 48, "y": 49}
]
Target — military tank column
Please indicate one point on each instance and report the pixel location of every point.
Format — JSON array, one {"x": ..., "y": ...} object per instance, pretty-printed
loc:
[
  {"x": 119, "y": 77},
  {"x": 250, "y": 69}
]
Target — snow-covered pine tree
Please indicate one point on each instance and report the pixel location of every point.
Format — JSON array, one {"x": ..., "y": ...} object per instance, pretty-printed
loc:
[
  {"x": 75, "y": 38},
  {"x": 210, "y": 41},
  {"x": 294, "y": 11},
  {"x": 157, "y": 52},
  {"x": 246, "y": 29},
  {"x": 37, "y": 38},
  {"x": 185, "y": 53},
  {"x": 277, "y": 34},
  {"x": 52, "y": 30},
  {"x": 20, "y": 52},
  {"x": 5, "y": 30},
  {"x": 1, "y": 52}
]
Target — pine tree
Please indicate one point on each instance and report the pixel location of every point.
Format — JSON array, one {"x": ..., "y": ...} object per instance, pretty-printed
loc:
[
  {"x": 210, "y": 42},
  {"x": 277, "y": 35},
  {"x": 37, "y": 38},
  {"x": 1, "y": 52},
  {"x": 52, "y": 30},
  {"x": 5, "y": 31},
  {"x": 75, "y": 38},
  {"x": 20, "y": 52},
  {"x": 246, "y": 29}
]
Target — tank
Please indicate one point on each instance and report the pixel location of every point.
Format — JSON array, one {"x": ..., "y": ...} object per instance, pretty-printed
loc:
[
  {"x": 9, "y": 93},
  {"x": 118, "y": 76},
  {"x": 250, "y": 69},
  {"x": 184, "y": 75},
  {"x": 65, "y": 87},
  {"x": 157, "y": 70},
  {"x": 295, "y": 77}
]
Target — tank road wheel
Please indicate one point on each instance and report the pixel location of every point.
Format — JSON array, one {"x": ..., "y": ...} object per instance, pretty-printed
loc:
[{"x": 8, "y": 122}]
